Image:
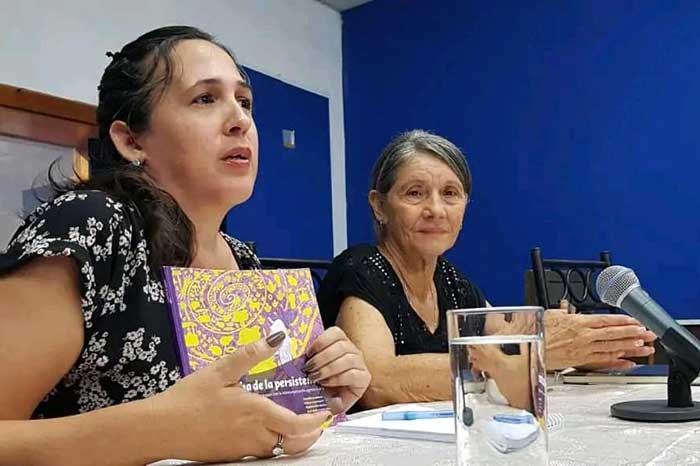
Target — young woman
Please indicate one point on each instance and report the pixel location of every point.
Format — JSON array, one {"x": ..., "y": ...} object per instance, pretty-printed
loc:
[{"x": 86, "y": 349}]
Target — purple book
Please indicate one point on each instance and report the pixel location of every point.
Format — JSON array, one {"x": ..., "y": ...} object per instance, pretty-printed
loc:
[{"x": 214, "y": 312}]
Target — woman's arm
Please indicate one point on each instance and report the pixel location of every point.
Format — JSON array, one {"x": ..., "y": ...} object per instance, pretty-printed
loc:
[
  {"x": 395, "y": 379},
  {"x": 120, "y": 435},
  {"x": 41, "y": 332},
  {"x": 41, "y": 336},
  {"x": 423, "y": 377}
]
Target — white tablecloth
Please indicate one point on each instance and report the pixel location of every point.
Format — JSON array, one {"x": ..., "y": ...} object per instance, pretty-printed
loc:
[{"x": 584, "y": 433}]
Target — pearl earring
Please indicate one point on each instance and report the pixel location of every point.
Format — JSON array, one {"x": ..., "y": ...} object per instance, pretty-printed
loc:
[{"x": 136, "y": 162}]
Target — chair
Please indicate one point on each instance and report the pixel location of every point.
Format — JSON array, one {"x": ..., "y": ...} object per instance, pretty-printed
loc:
[
  {"x": 314, "y": 265},
  {"x": 573, "y": 280}
]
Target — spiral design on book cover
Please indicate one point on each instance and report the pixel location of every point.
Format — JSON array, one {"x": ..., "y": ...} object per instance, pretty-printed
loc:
[{"x": 221, "y": 310}]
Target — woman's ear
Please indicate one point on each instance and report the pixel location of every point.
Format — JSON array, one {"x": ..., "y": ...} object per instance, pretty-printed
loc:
[
  {"x": 125, "y": 143},
  {"x": 376, "y": 202}
]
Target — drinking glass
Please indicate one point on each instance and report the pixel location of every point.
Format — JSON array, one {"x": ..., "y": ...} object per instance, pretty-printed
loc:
[{"x": 499, "y": 385}]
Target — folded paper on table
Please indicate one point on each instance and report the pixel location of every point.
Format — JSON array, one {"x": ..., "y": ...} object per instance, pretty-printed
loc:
[
  {"x": 215, "y": 312},
  {"x": 436, "y": 429}
]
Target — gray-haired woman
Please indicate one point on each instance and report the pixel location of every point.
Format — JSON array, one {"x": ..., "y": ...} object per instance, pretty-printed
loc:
[{"x": 391, "y": 298}]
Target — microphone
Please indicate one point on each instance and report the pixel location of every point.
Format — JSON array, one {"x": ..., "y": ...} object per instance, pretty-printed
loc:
[{"x": 619, "y": 286}]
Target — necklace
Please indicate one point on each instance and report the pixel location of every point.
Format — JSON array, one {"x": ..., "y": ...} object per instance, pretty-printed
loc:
[{"x": 432, "y": 324}]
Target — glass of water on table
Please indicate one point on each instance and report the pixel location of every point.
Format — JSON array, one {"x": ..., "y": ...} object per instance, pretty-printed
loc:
[{"x": 499, "y": 385}]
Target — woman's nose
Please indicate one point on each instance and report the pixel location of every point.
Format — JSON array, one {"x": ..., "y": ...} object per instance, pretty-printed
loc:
[
  {"x": 435, "y": 207},
  {"x": 240, "y": 119}
]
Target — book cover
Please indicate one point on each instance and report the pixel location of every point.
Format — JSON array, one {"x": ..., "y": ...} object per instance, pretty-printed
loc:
[{"x": 215, "y": 312}]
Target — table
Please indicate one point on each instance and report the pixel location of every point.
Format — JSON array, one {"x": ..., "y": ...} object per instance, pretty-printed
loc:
[{"x": 584, "y": 433}]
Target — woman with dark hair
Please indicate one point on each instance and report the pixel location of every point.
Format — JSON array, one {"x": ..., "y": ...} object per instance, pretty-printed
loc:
[
  {"x": 391, "y": 298},
  {"x": 86, "y": 347}
]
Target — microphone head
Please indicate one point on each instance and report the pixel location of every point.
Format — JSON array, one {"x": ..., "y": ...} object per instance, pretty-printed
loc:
[{"x": 614, "y": 284}]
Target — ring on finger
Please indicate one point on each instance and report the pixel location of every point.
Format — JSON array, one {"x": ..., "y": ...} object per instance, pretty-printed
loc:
[{"x": 278, "y": 449}]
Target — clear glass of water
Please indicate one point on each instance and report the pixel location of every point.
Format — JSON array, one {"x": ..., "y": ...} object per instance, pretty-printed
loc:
[{"x": 499, "y": 385}]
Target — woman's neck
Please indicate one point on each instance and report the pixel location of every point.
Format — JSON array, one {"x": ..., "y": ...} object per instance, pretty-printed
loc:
[
  {"x": 211, "y": 250},
  {"x": 414, "y": 270}
]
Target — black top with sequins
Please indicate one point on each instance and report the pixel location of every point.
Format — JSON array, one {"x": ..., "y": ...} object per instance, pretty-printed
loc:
[{"x": 362, "y": 271}]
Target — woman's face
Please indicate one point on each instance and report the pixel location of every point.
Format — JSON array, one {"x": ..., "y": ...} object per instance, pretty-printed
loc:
[
  {"x": 423, "y": 211},
  {"x": 201, "y": 145}
]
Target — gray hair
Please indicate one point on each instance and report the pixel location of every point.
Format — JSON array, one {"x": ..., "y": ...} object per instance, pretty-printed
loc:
[{"x": 403, "y": 149}]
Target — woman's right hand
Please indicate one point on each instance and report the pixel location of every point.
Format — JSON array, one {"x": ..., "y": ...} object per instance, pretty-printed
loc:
[
  {"x": 596, "y": 341},
  {"x": 209, "y": 417}
]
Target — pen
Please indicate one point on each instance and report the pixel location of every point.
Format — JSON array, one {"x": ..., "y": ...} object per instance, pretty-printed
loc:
[
  {"x": 514, "y": 419},
  {"x": 412, "y": 415}
]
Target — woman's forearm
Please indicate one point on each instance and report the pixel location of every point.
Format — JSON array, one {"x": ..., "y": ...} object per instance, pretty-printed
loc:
[
  {"x": 427, "y": 377},
  {"x": 410, "y": 378},
  {"x": 121, "y": 435}
]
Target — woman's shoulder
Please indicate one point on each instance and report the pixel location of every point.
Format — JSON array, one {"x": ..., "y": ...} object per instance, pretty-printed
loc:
[
  {"x": 353, "y": 273},
  {"x": 454, "y": 279},
  {"x": 450, "y": 270},
  {"x": 355, "y": 256},
  {"x": 79, "y": 205},
  {"x": 361, "y": 267},
  {"x": 88, "y": 220}
]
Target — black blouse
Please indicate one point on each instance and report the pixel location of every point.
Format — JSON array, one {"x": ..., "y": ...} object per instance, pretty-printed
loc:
[
  {"x": 129, "y": 352},
  {"x": 363, "y": 272}
]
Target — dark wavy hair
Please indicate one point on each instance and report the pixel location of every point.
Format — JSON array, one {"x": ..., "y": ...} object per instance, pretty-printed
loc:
[{"x": 138, "y": 75}]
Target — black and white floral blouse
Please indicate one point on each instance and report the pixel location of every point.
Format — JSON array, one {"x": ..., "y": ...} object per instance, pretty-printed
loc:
[{"x": 129, "y": 352}]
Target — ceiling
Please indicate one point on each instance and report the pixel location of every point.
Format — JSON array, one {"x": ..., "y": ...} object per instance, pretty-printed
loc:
[{"x": 342, "y": 5}]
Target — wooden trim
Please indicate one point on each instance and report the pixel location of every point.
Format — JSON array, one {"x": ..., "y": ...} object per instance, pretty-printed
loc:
[
  {"x": 45, "y": 104},
  {"x": 43, "y": 128},
  {"x": 41, "y": 117},
  {"x": 45, "y": 118}
]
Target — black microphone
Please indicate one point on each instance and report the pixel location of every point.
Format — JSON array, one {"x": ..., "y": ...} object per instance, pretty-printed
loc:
[{"x": 618, "y": 286}]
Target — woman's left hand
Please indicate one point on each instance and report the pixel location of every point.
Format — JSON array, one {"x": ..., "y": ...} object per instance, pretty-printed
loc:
[{"x": 337, "y": 364}]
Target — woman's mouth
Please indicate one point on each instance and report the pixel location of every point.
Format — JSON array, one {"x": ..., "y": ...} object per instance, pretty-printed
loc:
[{"x": 237, "y": 156}]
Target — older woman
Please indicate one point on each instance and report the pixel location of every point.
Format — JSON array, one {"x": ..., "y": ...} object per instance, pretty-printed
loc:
[
  {"x": 391, "y": 298},
  {"x": 86, "y": 348}
]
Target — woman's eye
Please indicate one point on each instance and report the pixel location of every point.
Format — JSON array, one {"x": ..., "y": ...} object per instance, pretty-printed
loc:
[
  {"x": 204, "y": 99},
  {"x": 414, "y": 193},
  {"x": 454, "y": 193},
  {"x": 246, "y": 103}
]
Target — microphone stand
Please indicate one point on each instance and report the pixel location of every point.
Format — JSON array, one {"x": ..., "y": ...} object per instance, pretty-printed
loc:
[{"x": 683, "y": 368}]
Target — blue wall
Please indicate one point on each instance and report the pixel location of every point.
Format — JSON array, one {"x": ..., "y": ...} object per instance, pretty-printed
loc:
[
  {"x": 579, "y": 120},
  {"x": 289, "y": 214}
]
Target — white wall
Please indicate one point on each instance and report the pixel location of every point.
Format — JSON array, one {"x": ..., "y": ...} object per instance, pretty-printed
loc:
[
  {"x": 23, "y": 173},
  {"x": 58, "y": 47}
]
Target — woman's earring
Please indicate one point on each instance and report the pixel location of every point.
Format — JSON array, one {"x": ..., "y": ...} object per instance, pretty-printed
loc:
[{"x": 136, "y": 163}]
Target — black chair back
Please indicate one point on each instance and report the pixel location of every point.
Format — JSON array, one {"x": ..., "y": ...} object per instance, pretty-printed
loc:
[
  {"x": 318, "y": 267},
  {"x": 574, "y": 280}
]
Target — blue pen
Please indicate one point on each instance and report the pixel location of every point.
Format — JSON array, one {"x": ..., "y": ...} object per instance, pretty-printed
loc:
[
  {"x": 412, "y": 415},
  {"x": 514, "y": 418}
]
